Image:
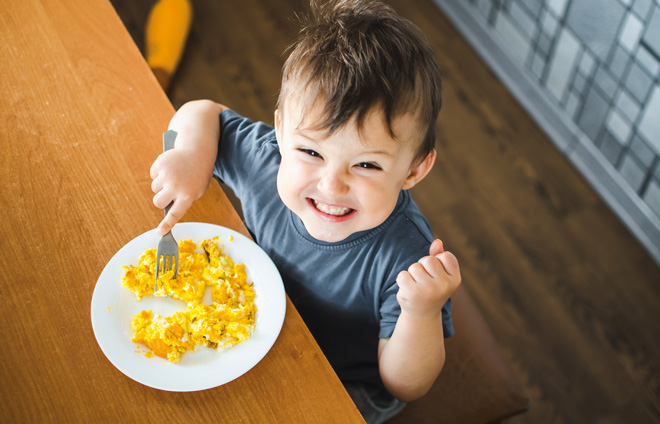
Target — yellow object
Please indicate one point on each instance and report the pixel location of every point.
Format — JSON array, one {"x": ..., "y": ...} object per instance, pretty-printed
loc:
[
  {"x": 228, "y": 320},
  {"x": 166, "y": 32}
]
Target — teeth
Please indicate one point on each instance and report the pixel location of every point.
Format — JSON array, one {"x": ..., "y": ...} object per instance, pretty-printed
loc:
[{"x": 331, "y": 210}]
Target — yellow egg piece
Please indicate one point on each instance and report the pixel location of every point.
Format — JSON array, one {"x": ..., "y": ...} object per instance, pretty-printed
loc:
[{"x": 228, "y": 320}]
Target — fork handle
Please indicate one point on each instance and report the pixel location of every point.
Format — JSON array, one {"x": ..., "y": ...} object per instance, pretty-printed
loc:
[
  {"x": 169, "y": 137},
  {"x": 168, "y": 140}
]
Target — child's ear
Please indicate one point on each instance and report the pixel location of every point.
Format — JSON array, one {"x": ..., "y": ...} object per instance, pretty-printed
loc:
[
  {"x": 278, "y": 126},
  {"x": 419, "y": 171}
]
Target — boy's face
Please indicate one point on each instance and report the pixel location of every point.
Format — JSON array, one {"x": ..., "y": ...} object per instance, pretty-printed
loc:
[{"x": 348, "y": 181}]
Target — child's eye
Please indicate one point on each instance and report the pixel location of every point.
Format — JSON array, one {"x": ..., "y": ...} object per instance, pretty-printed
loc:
[
  {"x": 368, "y": 165},
  {"x": 311, "y": 153}
]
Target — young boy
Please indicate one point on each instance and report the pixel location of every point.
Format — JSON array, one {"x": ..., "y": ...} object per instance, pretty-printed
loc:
[{"x": 325, "y": 194}]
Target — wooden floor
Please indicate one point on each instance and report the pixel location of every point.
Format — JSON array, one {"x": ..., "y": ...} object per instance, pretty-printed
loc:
[{"x": 572, "y": 298}]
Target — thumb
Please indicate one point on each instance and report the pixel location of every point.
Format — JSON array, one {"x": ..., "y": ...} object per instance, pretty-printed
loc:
[
  {"x": 436, "y": 247},
  {"x": 175, "y": 213}
]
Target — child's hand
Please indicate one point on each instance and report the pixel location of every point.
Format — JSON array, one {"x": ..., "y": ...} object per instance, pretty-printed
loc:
[
  {"x": 178, "y": 177},
  {"x": 429, "y": 283}
]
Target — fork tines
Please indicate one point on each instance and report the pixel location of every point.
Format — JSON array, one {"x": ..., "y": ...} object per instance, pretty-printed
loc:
[{"x": 167, "y": 255}]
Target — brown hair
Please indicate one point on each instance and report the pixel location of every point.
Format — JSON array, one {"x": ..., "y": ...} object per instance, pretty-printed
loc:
[{"x": 356, "y": 55}]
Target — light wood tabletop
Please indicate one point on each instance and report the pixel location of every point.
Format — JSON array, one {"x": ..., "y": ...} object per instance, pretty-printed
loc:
[{"x": 82, "y": 119}]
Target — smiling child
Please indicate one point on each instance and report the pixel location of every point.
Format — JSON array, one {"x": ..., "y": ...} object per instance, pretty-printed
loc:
[{"x": 325, "y": 194}]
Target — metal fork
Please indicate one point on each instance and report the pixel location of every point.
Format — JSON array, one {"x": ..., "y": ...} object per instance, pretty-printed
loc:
[{"x": 167, "y": 247}]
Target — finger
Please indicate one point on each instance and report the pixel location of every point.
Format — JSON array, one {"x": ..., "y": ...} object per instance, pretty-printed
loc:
[
  {"x": 173, "y": 216},
  {"x": 404, "y": 279},
  {"x": 153, "y": 171},
  {"x": 406, "y": 284},
  {"x": 163, "y": 228},
  {"x": 418, "y": 272},
  {"x": 449, "y": 263},
  {"x": 157, "y": 185},
  {"x": 163, "y": 198},
  {"x": 436, "y": 248},
  {"x": 433, "y": 266}
]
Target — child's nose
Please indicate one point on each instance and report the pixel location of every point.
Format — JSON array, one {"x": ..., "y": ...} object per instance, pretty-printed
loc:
[{"x": 333, "y": 183}]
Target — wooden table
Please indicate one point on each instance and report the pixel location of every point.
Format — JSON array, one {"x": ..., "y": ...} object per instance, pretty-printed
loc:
[{"x": 81, "y": 122}]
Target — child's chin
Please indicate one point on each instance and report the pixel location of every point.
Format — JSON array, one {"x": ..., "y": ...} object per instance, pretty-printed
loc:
[
  {"x": 325, "y": 235},
  {"x": 327, "y": 238}
]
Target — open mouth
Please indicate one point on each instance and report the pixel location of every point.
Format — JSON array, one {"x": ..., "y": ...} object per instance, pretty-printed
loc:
[{"x": 336, "y": 211}]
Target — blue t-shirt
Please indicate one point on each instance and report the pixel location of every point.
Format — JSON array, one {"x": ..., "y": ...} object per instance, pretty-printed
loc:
[{"x": 344, "y": 291}]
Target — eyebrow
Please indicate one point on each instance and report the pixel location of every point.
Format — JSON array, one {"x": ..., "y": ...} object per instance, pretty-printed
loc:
[
  {"x": 304, "y": 133},
  {"x": 378, "y": 152},
  {"x": 313, "y": 139}
]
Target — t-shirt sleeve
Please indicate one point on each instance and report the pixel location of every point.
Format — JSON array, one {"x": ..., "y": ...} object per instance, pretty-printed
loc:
[
  {"x": 389, "y": 311},
  {"x": 447, "y": 323},
  {"x": 240, "y": 142},
  {"x": 415, "y": 228}
]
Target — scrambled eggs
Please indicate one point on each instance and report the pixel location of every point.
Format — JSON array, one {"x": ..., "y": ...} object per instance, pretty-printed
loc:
[{"x": 228, "y": 320}]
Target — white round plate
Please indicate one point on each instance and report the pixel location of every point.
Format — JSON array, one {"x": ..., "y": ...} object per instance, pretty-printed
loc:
[{"x": 113, "y": 307}]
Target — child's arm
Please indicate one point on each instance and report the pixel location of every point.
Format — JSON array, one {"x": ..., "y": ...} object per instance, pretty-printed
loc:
[
  {"x": 412, "y": 358},
  {"x": 183, "y": 174}
]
